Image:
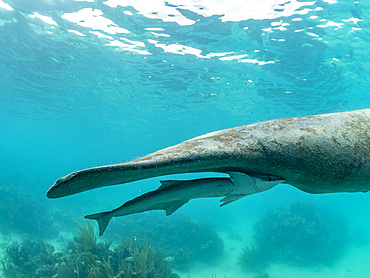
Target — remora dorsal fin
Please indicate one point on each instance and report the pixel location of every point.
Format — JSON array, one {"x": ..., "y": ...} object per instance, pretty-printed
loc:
[
  {"x": 171, "y": 207},
  {"x": 168, "y": 183}
]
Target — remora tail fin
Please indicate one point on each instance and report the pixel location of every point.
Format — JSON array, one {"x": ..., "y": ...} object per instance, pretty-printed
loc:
[{"x": 102, "y": 218}]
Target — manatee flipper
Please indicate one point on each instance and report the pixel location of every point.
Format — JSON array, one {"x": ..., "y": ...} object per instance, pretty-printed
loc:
[{"x": 102, "y": 218}]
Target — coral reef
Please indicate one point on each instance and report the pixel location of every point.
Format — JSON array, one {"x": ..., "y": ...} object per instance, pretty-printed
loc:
[
  {"x": 300, "y": 235},
  {"x": 175, "y": 236},
  {"x": 23, "y": 214},
  {"x": 85, "y": 258}
]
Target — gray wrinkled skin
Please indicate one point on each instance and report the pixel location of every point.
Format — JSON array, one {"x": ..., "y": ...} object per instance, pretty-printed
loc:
[{"x": 317, "y": 154}]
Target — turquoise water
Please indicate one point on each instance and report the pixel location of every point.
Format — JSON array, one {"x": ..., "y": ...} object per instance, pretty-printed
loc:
[{"x": 88, "y": 83}]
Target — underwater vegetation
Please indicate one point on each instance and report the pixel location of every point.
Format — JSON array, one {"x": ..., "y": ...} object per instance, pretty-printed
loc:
[
  {"x": 87, "y": 241},
  {"x": 300, "y": 235},
  {"x": 253, "y": 259},
  {"x": 85, "y": 258},
  {"x": 31, "y": 258},
  {"x": 262, "y": 275},
  {"x": 176, "y": 236},
  {"x": 20, "y": 213}
]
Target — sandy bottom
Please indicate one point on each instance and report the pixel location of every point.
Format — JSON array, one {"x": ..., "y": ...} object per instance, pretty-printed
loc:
[{"x": 354, "y": 263}]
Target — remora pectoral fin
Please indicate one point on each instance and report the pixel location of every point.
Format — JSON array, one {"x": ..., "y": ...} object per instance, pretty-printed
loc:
[
  {"x": 171, "y": 207},
  {"x": 241, "y": 179},
  {"x": 246, "y": 185},
  {"x": 254, "y": 184},
  {"x": 231, "y": 198}
]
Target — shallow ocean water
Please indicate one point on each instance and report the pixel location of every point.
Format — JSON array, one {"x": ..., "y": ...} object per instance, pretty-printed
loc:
[{"x": 90, "y": 83}]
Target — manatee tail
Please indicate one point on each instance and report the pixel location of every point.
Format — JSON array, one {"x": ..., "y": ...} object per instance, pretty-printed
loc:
[{"x": 102, "y": 218}]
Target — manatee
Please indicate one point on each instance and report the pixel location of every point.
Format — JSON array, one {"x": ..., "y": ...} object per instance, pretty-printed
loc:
[{"x": 316, "y": 154}]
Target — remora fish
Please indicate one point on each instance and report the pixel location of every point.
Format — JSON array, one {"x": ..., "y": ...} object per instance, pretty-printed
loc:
[
  {"x": 171, "y": 195},
  {"x": 317, "y": 154}
]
